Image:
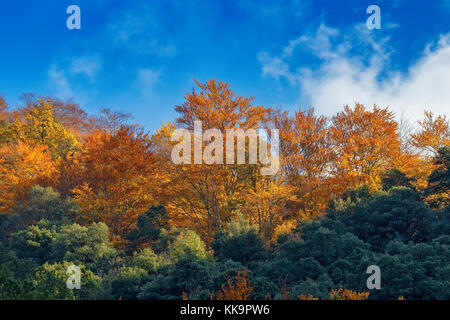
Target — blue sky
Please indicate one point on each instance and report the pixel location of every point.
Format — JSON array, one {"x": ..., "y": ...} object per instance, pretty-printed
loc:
[{"x": 141, "y": 56}]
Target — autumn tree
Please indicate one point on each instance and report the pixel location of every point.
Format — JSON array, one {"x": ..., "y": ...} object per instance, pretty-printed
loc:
[
  {"x": 307, "y": 297},
  {"x": 109, "y": 120},
  {"x": 365, "y": 143},
  {"x": 3, "y": 108},
  {"x": 68, "y": 113},
  {"x": 346, "y": 294},
  {"x": 38, "y": 125},
  {"x": 22, "y": 165},
  {"x": 266, "y": 203},
  {"x": 419, "y": 148},
  {"x": 236, "y": 289},
  {"x": 306, "y": 153},
  {"x": 4, "y": 115},
  {"x": 118, "y": 178},
  {"x": 206, "y": 195},
  {"x": 72, "y": 118},
  {"x": 433, "y": 134}
]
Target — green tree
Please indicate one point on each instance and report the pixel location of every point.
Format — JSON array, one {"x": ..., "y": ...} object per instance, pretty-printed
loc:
[
  {"x": 239, "y": 241},
  {"x": 186, "y": 243},
  {"x": 395, "y": 178},
  {"x": 46, "y": 242},
  {"x": 147, "y": 260},
  {"x": 395, "y": 215},
  {"x": 148, "y": 228},
  {"x": 40, "y": 203},
  {"x": 50, "y": 283},
  {"x": 438, "y": 191}
]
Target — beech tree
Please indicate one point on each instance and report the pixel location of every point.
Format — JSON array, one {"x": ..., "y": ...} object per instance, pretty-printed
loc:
[
  {"x": 118, "y": 178},
  {"x": 38, "y": 125},
  {"x": 351, "y": 191},
  {"x": 306, "y": 158},
  {"x": 22, "y": 165},
  {"x": 205, "y": 196},
  {"x": 365, "y": 143},
  {"x": 433, "y": 134}
]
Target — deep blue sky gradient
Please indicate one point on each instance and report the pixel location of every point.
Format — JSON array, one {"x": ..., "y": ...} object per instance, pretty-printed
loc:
[{"x": 144, "y": 54}]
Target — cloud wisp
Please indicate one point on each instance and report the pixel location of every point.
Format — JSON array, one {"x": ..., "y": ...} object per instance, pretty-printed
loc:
[{"x": 356, "y": 68}]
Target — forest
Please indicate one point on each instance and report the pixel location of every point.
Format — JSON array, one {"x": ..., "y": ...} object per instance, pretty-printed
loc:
[{"x": 359, "y": 188}]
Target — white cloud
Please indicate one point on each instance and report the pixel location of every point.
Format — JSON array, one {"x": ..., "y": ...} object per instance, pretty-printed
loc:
[
  {"x": 147, "y": 79},
  {"x": 59, "y": 83},
  {"x": 343, "y": 77},
  {"x": 64, "y": 79},
  {"x": 275, "y": 67},
  {"x": 88, "y": 66}
]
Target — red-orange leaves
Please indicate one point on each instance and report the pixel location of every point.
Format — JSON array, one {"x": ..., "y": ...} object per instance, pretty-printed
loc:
[
  {"x": 22, "y": 165},
  {"x": 117, "y": 178},
  {"x": 365, "y": 143}
]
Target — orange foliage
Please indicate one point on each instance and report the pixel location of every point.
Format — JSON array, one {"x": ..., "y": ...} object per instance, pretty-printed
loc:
[
  {"x": 307, "y": 297},
  {"x": 237, "y": 289},
  {"x": 72, "y": 117},
  {"x": 22, "y": 165},
  {"x": 346, "y": 294},
  {"x": 218, "y": 107},
  {"x": 365, "y": 144},
  {"x": 117, "y": 178},
  {"x": 434, "y": 133},
  {"x": 306, "y": 155},
  {"x": 3, "y": 108},
  {"x": 416, "y": 167},
  {"x": 116, "y": 172},
  {"x": 206, "y": 196}
]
